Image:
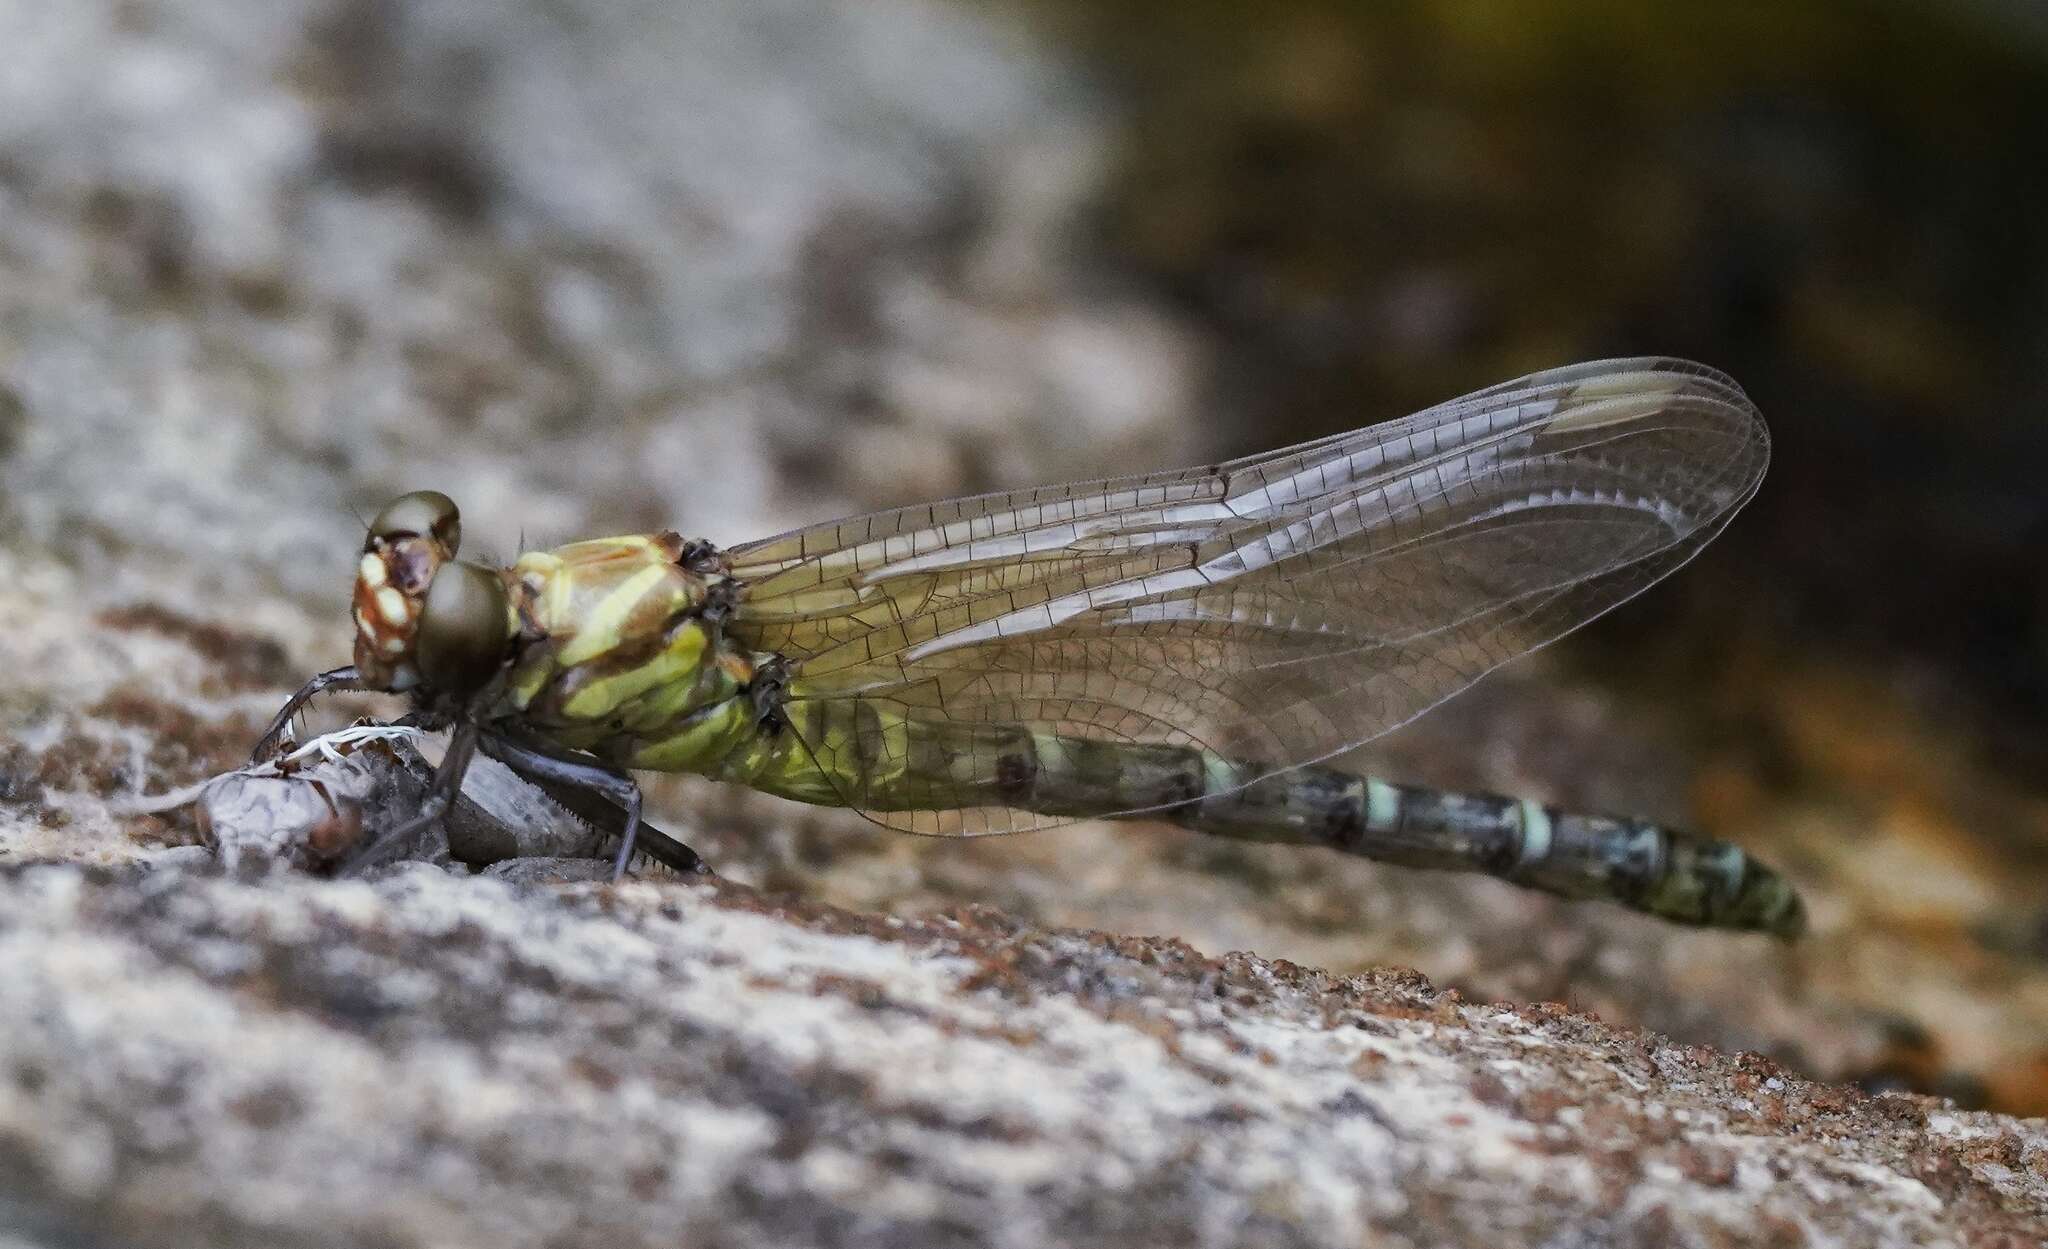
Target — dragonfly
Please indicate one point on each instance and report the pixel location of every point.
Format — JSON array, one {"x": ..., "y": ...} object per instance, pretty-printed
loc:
[{"x": 1188, "y": 646}]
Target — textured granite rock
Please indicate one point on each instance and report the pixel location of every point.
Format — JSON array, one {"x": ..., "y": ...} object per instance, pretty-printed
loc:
[{"x": 194, "y": 1059}]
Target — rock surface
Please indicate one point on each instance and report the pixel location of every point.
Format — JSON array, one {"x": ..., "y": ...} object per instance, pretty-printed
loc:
[{"x": 195, "y": 1059}]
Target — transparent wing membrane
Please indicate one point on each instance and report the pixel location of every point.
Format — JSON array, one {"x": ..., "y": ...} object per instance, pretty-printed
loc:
[{"x": 1276, "y": 609}]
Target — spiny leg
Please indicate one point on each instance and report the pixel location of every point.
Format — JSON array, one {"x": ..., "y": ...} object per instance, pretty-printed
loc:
[
  {"x": 606, "y": 813},
  {"x": 570, "y": 780},
  {"x": 338, "y": 679},
  {"x": 441, "y": 795}
]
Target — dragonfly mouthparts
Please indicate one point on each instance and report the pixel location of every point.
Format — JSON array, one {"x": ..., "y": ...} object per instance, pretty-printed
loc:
[
  {"x": 421, "y": 617},
  {"x": 390, "y": 596},
  {"x": 406, "y": 545}
]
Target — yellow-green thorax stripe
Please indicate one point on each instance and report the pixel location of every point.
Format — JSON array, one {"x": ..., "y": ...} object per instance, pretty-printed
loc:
[{"x": 614, "y": 650}]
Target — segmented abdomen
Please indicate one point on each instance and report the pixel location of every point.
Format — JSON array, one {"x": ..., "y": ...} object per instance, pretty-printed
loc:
[
  {"x": 1675, "y": 875},
  {"x": 866, "y": 757}
]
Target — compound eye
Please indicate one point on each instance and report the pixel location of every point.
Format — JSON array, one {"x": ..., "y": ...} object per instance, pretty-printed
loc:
[
  {"x": 423, "y": 513},
  {"x": 464, "y": 629}
]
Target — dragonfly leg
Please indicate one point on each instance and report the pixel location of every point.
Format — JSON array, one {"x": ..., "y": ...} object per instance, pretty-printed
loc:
[
  {"x": 441, "y": 795},
  {"x": 338, "y": 679},
  {"x": 578, "y": 783}
]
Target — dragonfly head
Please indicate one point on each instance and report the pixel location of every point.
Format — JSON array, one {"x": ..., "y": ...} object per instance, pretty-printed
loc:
[{"x": 424, "y": 619}]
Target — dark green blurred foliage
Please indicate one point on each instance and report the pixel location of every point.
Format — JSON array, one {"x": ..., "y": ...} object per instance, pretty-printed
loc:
[{"x": 1377, "y": 206}]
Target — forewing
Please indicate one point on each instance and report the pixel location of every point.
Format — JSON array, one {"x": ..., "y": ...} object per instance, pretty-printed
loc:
[{"x": 1279, "y": 608}]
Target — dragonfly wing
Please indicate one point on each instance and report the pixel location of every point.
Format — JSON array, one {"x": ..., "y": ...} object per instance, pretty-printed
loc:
[{"x": 1280, "y": 608}]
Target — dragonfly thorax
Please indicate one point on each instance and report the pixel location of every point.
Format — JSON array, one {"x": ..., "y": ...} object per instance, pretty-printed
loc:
[{"x": 423, "y": 619}]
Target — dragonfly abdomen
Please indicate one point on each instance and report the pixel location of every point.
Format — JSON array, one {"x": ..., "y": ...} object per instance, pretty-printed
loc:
[
  {"x": 880, "y": 761},
  {"x": 1645, "y": 866}
]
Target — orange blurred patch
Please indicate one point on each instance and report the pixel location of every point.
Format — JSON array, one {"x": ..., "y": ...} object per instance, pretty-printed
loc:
[{"x": 2020, "y": 1088}]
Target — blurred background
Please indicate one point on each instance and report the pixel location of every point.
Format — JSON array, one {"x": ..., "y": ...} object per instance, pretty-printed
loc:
[{"x": 734, "y": 265}]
